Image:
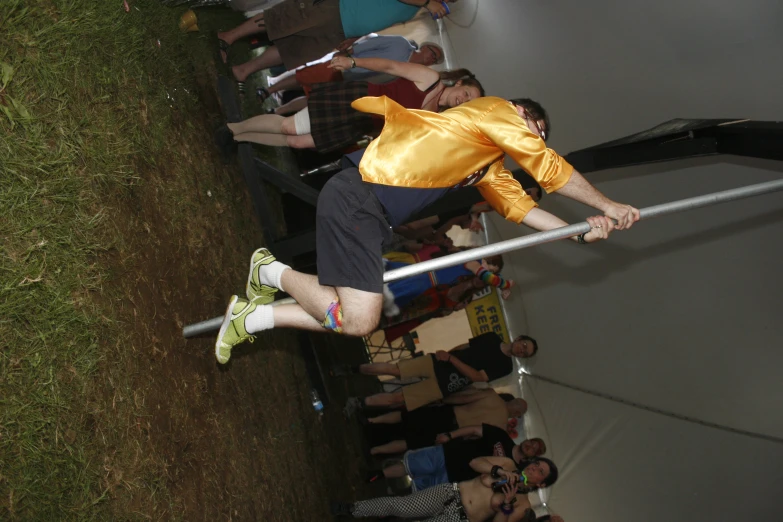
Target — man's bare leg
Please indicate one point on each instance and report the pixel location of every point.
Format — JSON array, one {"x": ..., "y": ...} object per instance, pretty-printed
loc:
[
  {"x": 250, "y": 27},
  {"x": 318, "y": 308},
  {"x": 295, "y": 105},
  {"x": 269, "y": 58},
  {"x": 390, "y": 448},
  {"x": 361, "y": 310},
  {"x": 294, "y": 316},
  {"x": 393, "y": 417}
]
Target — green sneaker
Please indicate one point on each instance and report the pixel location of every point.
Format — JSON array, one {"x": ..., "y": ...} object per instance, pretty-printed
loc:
[
  {"x": 258, "y": 293},
  {"x": 232, "y": 331}
]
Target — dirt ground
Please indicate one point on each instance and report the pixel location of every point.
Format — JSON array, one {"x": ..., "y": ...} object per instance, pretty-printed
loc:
[{"x": 240, "y": 442}]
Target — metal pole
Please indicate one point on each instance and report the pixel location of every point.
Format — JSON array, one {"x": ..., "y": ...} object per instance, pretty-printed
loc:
[
  {"x": 576, "y": 229},
  {"x": 539, "y": 238},
  {"x": 213, "y": 325}
]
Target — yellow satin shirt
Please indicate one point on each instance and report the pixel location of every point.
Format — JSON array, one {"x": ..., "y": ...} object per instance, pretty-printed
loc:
[{"x": 425, "y": 149}]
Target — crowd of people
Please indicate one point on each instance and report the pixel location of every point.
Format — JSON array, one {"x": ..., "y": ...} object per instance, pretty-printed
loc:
[{"x": 432, "y": 133}]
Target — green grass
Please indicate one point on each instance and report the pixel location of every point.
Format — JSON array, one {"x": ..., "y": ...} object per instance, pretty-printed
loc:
[{"x": 90, "y": 96}]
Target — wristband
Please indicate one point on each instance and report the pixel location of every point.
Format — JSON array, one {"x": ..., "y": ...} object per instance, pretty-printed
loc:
[
  {"x": 494, "y": 473},
  {"x": 353, "y": 63},
  {"x": 507, "y": 509},
  {"x": 581, "y": 239}
]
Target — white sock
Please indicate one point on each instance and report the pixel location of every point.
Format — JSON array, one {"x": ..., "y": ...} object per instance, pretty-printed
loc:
[
  {"x": 272, "y": 273},
  {"x": 390, "y": 308},
  {"x": 262, "y": 318}
]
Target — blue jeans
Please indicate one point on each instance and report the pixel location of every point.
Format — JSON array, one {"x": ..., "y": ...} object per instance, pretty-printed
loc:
[{"x": 426, "y": 467}]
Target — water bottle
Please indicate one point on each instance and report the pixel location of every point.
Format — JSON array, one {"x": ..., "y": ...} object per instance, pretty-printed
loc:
[
  {"x": 448, "y": 11},
  {"x": 317, "y": 404}
]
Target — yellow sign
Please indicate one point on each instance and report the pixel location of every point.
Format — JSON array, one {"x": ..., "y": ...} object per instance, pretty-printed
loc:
[{"x": 486, "y": 315}]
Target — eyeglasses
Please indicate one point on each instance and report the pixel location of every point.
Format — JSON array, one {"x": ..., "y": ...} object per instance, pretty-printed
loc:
[
  {"x": 541, "y": 131},
  {"x": 433, "y": 53}
]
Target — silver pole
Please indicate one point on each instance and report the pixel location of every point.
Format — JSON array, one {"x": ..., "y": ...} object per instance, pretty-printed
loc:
[
  {"x": 213, "y": 325},
  {"x": 539, "y": 238},
  {"x": 576, "y": 229}
]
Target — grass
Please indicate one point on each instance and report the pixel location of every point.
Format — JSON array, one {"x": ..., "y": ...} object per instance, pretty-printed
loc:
[
  {"x": 97, "y": 107},
  {"x": 118, "y": 224}
]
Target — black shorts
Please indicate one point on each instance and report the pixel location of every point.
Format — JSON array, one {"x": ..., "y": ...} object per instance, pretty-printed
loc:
[
  {"x": 350, "y": 230},
  {"x": 303, "y": 31}
]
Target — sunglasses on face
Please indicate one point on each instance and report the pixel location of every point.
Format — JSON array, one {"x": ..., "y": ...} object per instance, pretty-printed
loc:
[{"x": 539, "y": 128}]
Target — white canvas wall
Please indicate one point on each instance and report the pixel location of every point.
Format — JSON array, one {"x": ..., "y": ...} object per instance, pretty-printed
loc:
[{"x": 682, "y": 313}]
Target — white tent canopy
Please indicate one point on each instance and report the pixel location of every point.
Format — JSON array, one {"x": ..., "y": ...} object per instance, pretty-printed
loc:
[{"x": 681, "y": 314}]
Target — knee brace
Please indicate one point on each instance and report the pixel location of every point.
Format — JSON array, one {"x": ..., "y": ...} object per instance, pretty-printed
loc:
[{"x": 334, "y": 316}]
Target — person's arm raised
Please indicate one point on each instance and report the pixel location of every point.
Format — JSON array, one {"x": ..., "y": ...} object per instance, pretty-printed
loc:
[
  {"x": 600, "y": 226},
  {"x": 433, "y": 6},
  {"x": 473, "y": 432},
  {"x": 579, "y": 189},
  {"x": 511, "y": 134},
  {"x": 466, "y": 370},
  {"x": 419, "y": 74},
  {"x": 506, "y": 467}
]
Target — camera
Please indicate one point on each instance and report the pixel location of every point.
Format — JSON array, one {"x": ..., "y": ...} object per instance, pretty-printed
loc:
[{"x": 497, "y": 486}]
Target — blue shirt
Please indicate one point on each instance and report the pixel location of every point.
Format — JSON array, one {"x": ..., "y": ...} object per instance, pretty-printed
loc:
[
  {"x": 361, "y": 17},
  {"x": 400, "y": 203},
  {"x": 396, "y": 48}
]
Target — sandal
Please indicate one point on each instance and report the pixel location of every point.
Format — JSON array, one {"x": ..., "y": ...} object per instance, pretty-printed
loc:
[
  {"x": 263, "y": 94},
  {"x": 224, "y": 47},
  {"x": 240, "y": 85}
]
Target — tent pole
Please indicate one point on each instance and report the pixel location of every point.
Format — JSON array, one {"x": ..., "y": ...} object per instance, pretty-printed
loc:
[
  {"x": 578, "y": 228},
  {"x": 539, "y": 238},
  {"x": 213, "y": 325}
]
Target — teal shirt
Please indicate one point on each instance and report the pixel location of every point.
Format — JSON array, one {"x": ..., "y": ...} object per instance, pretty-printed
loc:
[{"x": 361, "y": 17}]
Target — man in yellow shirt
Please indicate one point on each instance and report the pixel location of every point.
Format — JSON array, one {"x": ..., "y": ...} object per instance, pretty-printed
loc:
[{"x": 418, "y": 157}]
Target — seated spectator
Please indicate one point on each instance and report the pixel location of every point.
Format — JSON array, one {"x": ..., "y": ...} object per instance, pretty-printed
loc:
[
  {"x": 304, "y": 31},
  {"x": 439, "y": 301},
  {"x": 394, "y": 48},
  {"x": 329, "y": 122},
  {"x": 399, "y": 294}
]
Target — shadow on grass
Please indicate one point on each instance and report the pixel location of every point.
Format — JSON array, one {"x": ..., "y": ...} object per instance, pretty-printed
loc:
[{"x": 119, "y": 225}]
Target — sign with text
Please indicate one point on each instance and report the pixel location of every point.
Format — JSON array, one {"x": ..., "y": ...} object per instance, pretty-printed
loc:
[{"x": 485, "y": 314}]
